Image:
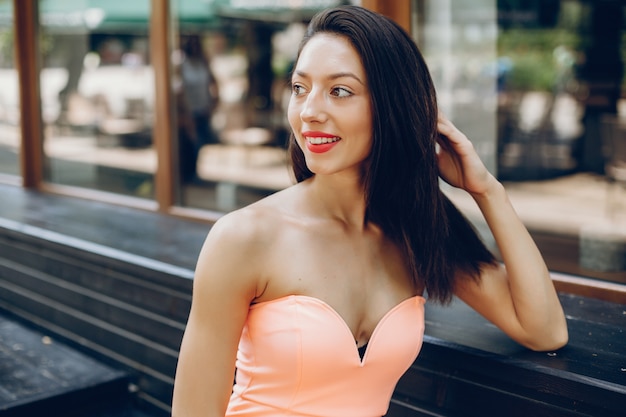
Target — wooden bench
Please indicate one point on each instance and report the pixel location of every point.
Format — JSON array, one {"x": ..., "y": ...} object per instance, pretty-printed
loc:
[
  {"x": 117, "y": 281},
  {"x": 468, "y": 367}
]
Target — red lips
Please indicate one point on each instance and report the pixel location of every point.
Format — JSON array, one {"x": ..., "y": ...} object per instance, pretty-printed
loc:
[{"x": 319, "y": 147}]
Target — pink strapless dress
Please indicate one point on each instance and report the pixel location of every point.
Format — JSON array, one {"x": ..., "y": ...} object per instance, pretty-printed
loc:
[{"x": 297, "y": 357}]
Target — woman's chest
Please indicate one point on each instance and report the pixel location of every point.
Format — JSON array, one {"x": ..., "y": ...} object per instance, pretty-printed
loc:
[{"x": 360, "y": 281}]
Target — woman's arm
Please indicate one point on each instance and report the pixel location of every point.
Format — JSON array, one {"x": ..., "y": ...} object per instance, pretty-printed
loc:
[
  {"x": 225, "y": 284},
  {"x": 518, "y": 297}
]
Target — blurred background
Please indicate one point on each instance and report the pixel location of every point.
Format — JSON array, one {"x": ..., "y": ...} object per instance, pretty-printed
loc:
[{"x": 181, "y": 103}]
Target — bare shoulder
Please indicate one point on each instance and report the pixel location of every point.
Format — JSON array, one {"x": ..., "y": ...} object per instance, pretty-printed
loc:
[
  {"x": 241, "y": 244},
  {"x": 253, "y": 226}
]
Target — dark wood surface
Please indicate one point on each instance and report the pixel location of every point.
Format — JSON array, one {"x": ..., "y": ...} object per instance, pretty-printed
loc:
[
  {"x": 41, "y": 376},
  {"x": 468, "y": 367},
  {"x": 596, "y": 349},
  {"x": 148, "y": 234}
]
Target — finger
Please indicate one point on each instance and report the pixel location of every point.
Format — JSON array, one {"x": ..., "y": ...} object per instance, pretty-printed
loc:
[
  {"x": 443, "y": 119},
  {"x": 445, "y": 127},
  {"x": 443, "y": 141},
  {"x": 452, "y": 134}
]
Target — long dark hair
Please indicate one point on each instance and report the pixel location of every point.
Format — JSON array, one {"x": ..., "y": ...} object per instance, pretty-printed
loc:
[{"x": 401, "y": 178}]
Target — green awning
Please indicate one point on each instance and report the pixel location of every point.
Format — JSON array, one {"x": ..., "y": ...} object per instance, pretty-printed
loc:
[
  {"x": 272, "y": 10},
  {"x": 103, "y": 15},
  {"x": 99, "y": 15}
]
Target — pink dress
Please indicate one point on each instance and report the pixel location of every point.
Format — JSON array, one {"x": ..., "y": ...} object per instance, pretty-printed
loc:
[{"x": 297, "y": 357}]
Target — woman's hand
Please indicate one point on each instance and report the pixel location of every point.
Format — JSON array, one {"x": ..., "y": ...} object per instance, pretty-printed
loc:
[
  {"x": 518, "y": 297},
  {"x": 459, "y": 164}
]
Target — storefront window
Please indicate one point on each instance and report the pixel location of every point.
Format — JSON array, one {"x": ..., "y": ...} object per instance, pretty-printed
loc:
[
  {"x": 97, "y": 89},
  {"x": 539, "y": 88},
  {"x": 9, "y": 95},
  {"x": 458, "y": 41},
  {"x": 562, "y": 125},
  {"x": 540, "y": 104},
  {"x": 231, "y": 87}
]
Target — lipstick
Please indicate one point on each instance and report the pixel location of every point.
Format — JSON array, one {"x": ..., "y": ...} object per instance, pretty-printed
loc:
[{"x": 320, "y": 142}]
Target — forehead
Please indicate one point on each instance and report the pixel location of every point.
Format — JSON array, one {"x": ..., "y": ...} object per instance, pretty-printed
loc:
[{"x": 331, "y": 53}]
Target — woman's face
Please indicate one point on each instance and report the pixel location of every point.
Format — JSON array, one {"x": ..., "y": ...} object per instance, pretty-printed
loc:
[{"x": 330, "y": 109}]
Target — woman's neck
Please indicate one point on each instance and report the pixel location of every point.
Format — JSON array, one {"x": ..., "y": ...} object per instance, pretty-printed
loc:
[{"x": 339, "y": 198}]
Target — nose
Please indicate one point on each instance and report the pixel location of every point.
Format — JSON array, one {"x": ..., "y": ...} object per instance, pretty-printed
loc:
[{"x": 313, "y": 108}]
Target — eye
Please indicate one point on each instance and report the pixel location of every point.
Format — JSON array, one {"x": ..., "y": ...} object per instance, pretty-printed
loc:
[
  {"x": 297, "y": 89},
  {"x": 340, "y": 92}
]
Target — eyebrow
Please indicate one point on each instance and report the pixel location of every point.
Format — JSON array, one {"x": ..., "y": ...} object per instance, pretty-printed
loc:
[{"x": 333, "y": 76}]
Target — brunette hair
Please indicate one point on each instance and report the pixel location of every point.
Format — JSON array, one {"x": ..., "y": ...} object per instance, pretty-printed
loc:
[{"x": 401, "y": 177}]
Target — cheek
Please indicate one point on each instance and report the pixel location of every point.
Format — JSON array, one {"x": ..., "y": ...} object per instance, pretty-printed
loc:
[
  {"x": 293, "y": 115},
  {"x": 364, "y": 124}
]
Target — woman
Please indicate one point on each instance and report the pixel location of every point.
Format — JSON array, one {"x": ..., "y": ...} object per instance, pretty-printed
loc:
[
  {"x": 200, "y": 89},
  {"x": 315, "y": 294}
]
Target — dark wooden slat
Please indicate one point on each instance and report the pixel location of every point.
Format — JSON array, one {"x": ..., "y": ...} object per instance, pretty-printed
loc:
[
  {"x": 469, "y": 367},
  {"x": 158, "y": 329},
  {"x": 153, "y": 365},
  {"x": 40, "y": 376},
  {"x": 116, "y": 283}
]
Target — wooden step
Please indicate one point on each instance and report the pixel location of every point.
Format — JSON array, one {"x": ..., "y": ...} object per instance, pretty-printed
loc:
[{"x": 42, "y": 377}]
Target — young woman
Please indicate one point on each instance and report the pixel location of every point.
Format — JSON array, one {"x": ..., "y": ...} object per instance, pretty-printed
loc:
[{"x": 315, "y": 295}]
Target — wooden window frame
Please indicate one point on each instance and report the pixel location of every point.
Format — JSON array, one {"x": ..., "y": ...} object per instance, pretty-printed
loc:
[
  {"x": 31, "y": 125},
  {"x": 26, "y": 42},
  {"x": 398, "y": 11},
  {"x": 163, "y": 132},
  {"x": 32, "y": 160}
]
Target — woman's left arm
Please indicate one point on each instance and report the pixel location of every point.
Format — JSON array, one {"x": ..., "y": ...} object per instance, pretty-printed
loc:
[{"x": 518, "y": 297}]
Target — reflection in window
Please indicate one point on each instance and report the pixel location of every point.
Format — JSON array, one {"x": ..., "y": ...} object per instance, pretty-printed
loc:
[
  {"x": 551, "y": 89},
  {"x": 562, "y": 118},
  {"x": 97, "y": 96},
  {"x": 232, "y": 135},
  {"x": 539, "y": 109},
  {"x": 458, "y": 41},
  {"x": 9, "y": 95}
]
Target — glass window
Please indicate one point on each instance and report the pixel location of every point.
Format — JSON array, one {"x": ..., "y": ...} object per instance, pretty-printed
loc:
[
  {"x": 562, "y": 120},
  {"x": 10, "y": 136},
  {"x": 97, "y": 95},
  {"x": 458, "y": 41},
  {"x": 231, "y": 71},
  {"x": 539, "y": 87}
]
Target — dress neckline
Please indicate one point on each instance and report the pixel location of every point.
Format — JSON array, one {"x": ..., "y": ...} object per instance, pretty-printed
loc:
[{"x": 327, "y": 307}]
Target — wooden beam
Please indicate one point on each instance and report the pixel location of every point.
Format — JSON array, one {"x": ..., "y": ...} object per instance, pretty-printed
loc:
[
  {"x": 399, "y": 11},
  {"x": 26, "y": 38},
  {"x": 162, "y": 133},
  {"x": 589, "y": 287}
]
